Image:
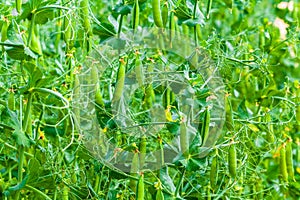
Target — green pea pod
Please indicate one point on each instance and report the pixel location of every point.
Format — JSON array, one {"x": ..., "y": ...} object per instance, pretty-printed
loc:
[
  {"x": 76, "y": 95},
  {"x": 232, "y": 163},
  {"x": 198, "y": 31},
  {"x": 143, "y": 145},
  {"x": 4, "y": 28},
  {"x": 19, "y": 5},
  {"x": 208, "y": 8},
  {"x": 134, "y": 169},
  {"x": 159, "y": 195},
  {"x": 84, "y": 6},
  {"x": 68, "y": 32},
  {"x": 262, "y": 38},
  {"x": 289, "y": 159},
  {"x": 298, "y": 114},
  {"x": 172, "y": 28},
  {"x": 205, "y": 127},
  {"x": 228, "y": 116},
  {"x": 139, "y": 70},
  {"x": 157, "y": 13},
  {"x": 259, "y": 189},
  {"x": 11, "y": 101},
  {"x": 35, "y": 43},
  {"x": 270, "y": 132},
  {"x": 214, "y": 172},
  {"x": 95, "y": 80},
  {"x": 183, "y": 139},
  {"x": 120, "y": 81},
  {"x": 65, "y": 195},
  {"x": 165, "y": 14},
  {"x": 282, "y": 164},
  {"x": 140, "y": 192},
  {"x": 148, "y": 100},
  {"x": 135, "y": 15}
]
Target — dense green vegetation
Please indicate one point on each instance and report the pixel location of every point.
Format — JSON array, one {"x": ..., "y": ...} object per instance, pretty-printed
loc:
[{"x": 149, "y": 99}]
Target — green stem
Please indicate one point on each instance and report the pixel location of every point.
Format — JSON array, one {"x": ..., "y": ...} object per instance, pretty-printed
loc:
[
  {"x": 38, "y": 192},
  {"x": 30, "y": 30},
  {"x": 14, "y": 148},
  {"x": 21, "y": 147},
  {"x": 120, "y": 26},
  {"x": 179, "y": 183}
]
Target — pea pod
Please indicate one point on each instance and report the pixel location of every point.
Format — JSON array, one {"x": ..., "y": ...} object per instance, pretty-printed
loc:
[
  {"x": 159, "y": 195},
  {"x": 282, "y": 164},
  {"x": 35, "y": 43},
  {"x": 298, "y": 114},
  {"x": 259, "y": 189},
  {"x": 228, "y": 116},
  {"x": 140, "y": 192},
  {"x": 143, "y": 145},
  {"x": 120, "y": 81},
  {"x": 214, "y": 172},
  {"x": 19, "y": 5},
  {"x": 289, "y": 159},
  {"x": 65, "y": 195},
  {"x": 95, "y": 80},
  {"x": 205, "y": 127},
  {"x": 198, "y": 31},
  {"x": 84, "y": 6},
  {"x": 232, "y": 163},
  {"x": 172, "y": 27},
  {"x": 4, "y": 28},
  {"x": 183, "y": 138},
  {"x": 270, "y": 132},
  {"x": 76, "y": 94},
  {"x": 68, "y": 32},
  {"x": 134, "y": 169},
  {"x": 135, "y": 15},
  {"x": 138, "y": 70},
  {"x": 208, "y": 8},
  {"x": 157, "y": 13},
  {"x": 165, "y": 14},
  {"x": 11, "y": 101}
]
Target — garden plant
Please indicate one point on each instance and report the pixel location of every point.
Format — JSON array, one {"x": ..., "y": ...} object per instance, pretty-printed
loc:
[{"x": 149, "y": 99}]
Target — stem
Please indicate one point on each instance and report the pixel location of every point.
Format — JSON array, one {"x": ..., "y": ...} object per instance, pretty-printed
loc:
[
  {"x": 38, "y": 192},
  {"x": 195, "y": 29},
  {"x": 30, "y": 30},
  {"x": 120, "y": 26},
  {"x": 179, "y": 183},
  {"x": 21, "y": 147}
]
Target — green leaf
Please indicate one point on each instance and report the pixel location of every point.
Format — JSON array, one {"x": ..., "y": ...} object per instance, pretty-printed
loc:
[
  {"x": 44, "y": 16},
  {"x": 34, "y": 168},
  {"x": 34, "y": 72},
  {"x": 105, "y": 31},
  {"x": 122, "y": 9},
  {"x": 21, "y": 138},
  {"x": 193, "y": 22},
  {"x": 16, "y": 187},
  {"x": 167, "y": 180},
  {"x": 16, "y": 52},
  {"x": 30, "y": 53}
]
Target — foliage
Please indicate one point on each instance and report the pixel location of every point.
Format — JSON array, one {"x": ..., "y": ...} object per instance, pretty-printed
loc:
[{"x": 46, "y": 48}]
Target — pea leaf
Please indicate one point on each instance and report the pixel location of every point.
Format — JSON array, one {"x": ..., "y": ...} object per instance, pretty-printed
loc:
[
  {"x": 35, "y": 74},
  {"x": 16, "y": 52},
  {"x": 121, "y": 9},
  {"x": 166, "y": 179},
  {"x": 34, "y": 170},
  {"x": 44, "y": 16},
  {"x": 21, "y": 138},
  {"x": 194, "y": 22},
  {"x": 105, "y": 31}
]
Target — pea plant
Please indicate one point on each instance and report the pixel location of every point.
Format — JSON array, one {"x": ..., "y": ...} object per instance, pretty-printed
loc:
[{"x": 149, "y": 99}]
